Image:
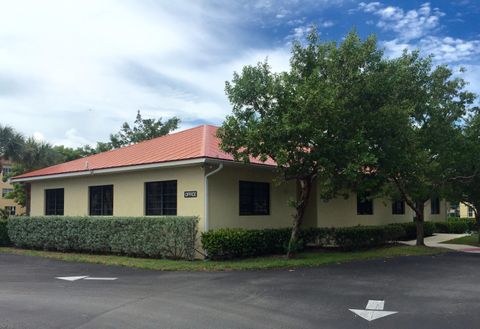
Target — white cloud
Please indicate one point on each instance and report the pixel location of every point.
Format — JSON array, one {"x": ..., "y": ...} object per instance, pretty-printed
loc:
[
  {"x": 77, "y": 70},
  {"x": 444, "y": 49},
  {"x": 450, "y": 49},
  {"x": 38, "y": 136},
  {"x": 327, "y": 23},
  {"x": 411, "y": 24}
]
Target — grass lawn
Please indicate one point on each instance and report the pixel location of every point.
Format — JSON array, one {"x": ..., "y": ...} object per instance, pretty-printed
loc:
[
  {"x": 307, "y": 259},
  {"x": 471, "y": 240}
]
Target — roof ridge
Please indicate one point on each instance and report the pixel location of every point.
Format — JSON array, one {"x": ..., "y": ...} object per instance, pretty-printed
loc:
[
  {"x": 203, "y": 147},
  {"x": 128, "y": 146}
]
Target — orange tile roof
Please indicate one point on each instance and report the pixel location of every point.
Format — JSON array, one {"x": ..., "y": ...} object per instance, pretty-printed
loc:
[{"x": 194, "y": 143}]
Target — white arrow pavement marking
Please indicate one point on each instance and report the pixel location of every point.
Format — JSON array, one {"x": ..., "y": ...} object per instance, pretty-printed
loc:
[
  {"x": 373, "y": 310},
  {"x": 71, "y": 278},
  {"x": 83, "y": 277},
  {"x": 104, "y": 279}
]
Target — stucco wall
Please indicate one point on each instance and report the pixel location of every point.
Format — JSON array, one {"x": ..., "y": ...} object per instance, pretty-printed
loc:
[
  {"x": 224, "y": 199},
  {"x": 4, "y": 202},
  {"x": 343, "y": 212},
  {"x": 464, "y": 211},
  {"x": 128, "y": 191}
]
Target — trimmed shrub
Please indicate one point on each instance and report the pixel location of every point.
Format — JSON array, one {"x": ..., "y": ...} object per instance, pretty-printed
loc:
[
  {"x": 452, "y": 226},
  {"x": 4, "y": 239},
  {"x": 238, "y": 243},
  {"x": 410, "y": 229},
  {"x": 158, "y": 237},
  {"x": 471, "y": 222},
  {"x": 362, "y": 237}
]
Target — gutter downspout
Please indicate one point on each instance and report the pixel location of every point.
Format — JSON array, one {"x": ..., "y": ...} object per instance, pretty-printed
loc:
[{"x": 220, "y": 167}]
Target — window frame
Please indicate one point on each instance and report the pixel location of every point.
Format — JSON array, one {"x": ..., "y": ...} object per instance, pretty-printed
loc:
[
  {"x": 435, "y": 206},
  {"x": 9, "y": 209},
  {"x": 363, "y": 200},
  {"x": 252, "y": 210},
  {"x": 4, "y": 194},
  {"x": 55, "y": 212},
  {"x": 6, "y": 169},
  {"x": 102, "y": 208},
  {"x": 395, "y": 211},
  {"x": 470, "y": 212},
  {"x": 163, "y": 211}
]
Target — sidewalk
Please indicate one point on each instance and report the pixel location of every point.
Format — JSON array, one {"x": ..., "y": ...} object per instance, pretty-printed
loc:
[{"x": 437, "y": 239}]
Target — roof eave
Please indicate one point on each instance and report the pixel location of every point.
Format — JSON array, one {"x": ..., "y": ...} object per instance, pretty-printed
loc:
[{"x": 177, "y": 163}]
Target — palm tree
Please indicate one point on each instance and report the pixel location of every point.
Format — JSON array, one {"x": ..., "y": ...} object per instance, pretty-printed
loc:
[{"x": 11, "y": 143}]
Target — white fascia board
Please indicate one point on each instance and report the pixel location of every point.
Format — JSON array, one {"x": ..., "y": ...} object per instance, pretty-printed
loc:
[
  {"x": 232, "y": 163},
  {"x": 112, "y": 170}
]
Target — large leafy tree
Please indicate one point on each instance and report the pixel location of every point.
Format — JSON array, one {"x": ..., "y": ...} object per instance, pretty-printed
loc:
[
  {"x": 466, "y": 185},
  {"x": 414, "y": 132},
  {"x": 309, "y": 120},
  {"x": 143, "y": 129}
]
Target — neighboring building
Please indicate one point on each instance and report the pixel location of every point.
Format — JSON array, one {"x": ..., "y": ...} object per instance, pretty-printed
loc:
[
  {"x": 5, "y": 187},
  {"x": 466, "y": 211},
  {"x": 186, "y": 173}
]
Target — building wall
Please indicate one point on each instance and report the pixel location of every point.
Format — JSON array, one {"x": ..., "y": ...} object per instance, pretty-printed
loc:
[
  {"x": 343, "y": 212},
  {"x": 464, "y": 211},
  {"x": 224, "y": 199},
  {"x": 4, "y": 202},
  {"x": 128, "y": 191}
]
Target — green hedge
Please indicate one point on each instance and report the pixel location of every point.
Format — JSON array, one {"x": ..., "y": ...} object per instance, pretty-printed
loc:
[
  {"x": 238, "y": 243},
  {"x": 470, "y": 222},
  {"x": 361, "y": 237},
  {"x": 451, "y": 227},
  {"x": 4, "y": 239},
  {"x": 410, "y": 229},
  {"x": 159, "y": 237}
]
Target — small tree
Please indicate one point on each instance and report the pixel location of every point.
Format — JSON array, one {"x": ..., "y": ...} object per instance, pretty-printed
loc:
[{"x": 308, "y": 120}]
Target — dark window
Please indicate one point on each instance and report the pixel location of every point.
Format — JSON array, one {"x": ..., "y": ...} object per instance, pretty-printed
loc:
[
  {"x": 470, "y": 212},
  {"x": 435, "y": 206},
  {"x": 254, "y": 198},
  {"x": 6, "y": 191},
  {"x": 364, "y": 205},
  {"x": 6, "y": 170},
  {"x": 11, "y": 210},
  {"x": 161, "y": 198},
  {"x": 101, "y": 200},
  {"x": 54, "y": 202},
  {"x": 398, "y": 207}
]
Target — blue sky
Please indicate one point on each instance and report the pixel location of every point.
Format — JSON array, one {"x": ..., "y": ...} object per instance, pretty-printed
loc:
[{"x": 72, "y": 71}]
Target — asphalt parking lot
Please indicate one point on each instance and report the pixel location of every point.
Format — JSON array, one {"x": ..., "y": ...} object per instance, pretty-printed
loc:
[{"x": 440, "y": 291}]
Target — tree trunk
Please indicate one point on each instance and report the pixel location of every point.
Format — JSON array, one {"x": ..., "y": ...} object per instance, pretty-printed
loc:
[
  {"x": 301, "y": 205},
  {"x": 420, "y": 219},
  {"x": 28, "y": 200},
  {"x": 477, "y": 222}
]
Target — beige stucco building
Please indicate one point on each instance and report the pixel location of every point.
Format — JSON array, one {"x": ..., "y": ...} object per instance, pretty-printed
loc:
[
  {"x": 6, "y": 187},
  {"x": 186, "y": 174},
  {"x": 466, "y": 211}
]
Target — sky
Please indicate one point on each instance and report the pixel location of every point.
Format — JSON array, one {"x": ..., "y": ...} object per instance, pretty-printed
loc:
[{"x": 71, "y": 72}]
